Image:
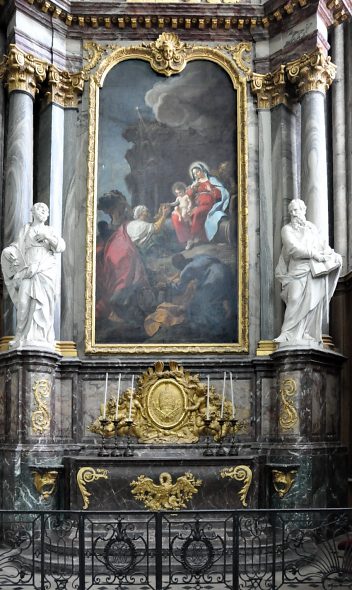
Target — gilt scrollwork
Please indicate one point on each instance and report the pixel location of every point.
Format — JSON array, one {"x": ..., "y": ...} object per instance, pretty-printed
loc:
[
  {"x": 165, "y": 495},
  {"x": 240, "y": 473},
  {"x": 87, "y": 475},
  {"x": 288, "y": 414},
  {"x": 41, "y": 415}
]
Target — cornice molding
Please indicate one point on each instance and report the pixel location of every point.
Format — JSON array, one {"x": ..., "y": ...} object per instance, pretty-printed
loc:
[
  {"x": 311, "y": 72},
  {"x": 167, "y": 15}
]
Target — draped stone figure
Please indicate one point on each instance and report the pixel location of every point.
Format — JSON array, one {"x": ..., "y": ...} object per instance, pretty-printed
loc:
[
  {"x": 29, "y": 269},
  {"x": 308, "y": 270}
]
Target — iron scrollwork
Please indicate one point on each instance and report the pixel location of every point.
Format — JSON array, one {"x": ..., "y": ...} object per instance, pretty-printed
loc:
[
  {"x": 197, "y": 548},
  {"x": 121, "y": 550}
]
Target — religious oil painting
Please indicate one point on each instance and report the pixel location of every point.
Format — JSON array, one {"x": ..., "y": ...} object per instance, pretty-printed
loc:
[{"x": 166, "y": 238}]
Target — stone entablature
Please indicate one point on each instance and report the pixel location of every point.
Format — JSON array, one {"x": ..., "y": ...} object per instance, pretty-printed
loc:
[{"x": 221, "y": 14}]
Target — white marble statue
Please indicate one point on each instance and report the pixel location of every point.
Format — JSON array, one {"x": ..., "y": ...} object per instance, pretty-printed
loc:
[
  {"x": 308, "y": 270},
  {"x": 29, "y": 269}
]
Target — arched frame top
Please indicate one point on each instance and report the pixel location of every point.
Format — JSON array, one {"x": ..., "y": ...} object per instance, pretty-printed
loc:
[{"x": 169, "y": 62}]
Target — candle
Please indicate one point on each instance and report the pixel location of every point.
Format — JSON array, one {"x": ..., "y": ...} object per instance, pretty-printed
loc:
[
  {"x": 208, "y": 390},
  {"x": 131, "y": 395},
  {"x": 118, "y": 397},
  {"x": 105, "y": 394},
  {"x": 223, "y": 397},
  {"x": 232, "y": 397}
]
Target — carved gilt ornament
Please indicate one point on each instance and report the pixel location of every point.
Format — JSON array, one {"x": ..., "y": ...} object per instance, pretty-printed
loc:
[
  {"x": 283, "y": 480},
  {"x": 64, "y": 89},
  {"x": 166, "y": 495},
  {"x": 87, "y": 475},
  {"x": 168, "y": 55},
  {"x": 22, "y": 71},
  {"x": 41, "y": 415},
  {"x": 240, "y": 473},
  {"x": 288, "y": 414},
  {"x": 168, "y": 406},
  {"x": 270, "y": 89},
  {"x": 311, "y": 72},
  {"x": 45, "y": 482}
]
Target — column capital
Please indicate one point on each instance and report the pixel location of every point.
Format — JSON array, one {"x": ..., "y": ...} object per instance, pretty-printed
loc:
[
  {"x": 270, "y": 89},
  {"x": 311, "y": 72},
  {"x": 64, "y": 88},
  {"x": 22, "y": 71}
]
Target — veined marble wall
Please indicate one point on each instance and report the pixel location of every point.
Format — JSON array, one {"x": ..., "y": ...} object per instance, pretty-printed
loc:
[{"x": 285, "y": 143}]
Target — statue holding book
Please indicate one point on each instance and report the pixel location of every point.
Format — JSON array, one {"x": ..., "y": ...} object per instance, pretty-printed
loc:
[{"x": 308, "y": 270}]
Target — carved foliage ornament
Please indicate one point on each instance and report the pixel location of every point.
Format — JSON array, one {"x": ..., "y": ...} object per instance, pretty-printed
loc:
[
  {"x": 22, "y": 71},
  {"x": 64, "y": 88},
  {"x": 166, "y": 495},
  {"x": 240, "y": 473},
  {"x": 288, "y": 414},
  {"x": 87, "y": 475},
  {"x": 41, "y": 415},
  {"x": 313, "y": 71}
]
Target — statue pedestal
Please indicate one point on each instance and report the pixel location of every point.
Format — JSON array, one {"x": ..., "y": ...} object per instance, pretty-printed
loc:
[{"x": 306, "y": 434}]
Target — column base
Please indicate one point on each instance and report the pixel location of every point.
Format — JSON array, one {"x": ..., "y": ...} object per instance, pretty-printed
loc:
[{"x": 265, "y": 347}]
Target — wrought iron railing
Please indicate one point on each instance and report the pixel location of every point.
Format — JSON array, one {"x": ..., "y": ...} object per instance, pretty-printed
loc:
[{"x": 249, "y": 549}]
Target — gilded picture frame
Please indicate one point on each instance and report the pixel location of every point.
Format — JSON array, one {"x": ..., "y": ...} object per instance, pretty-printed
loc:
[{"x": 168, "y": 56}]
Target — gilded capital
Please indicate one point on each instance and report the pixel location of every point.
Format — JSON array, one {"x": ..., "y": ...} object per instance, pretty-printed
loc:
[
  {"x": 64, "y": 89},
  {"x": 270, "y": 88},
  {"x": 23, "y": 71},
  {"x": 311, "y": 72}
]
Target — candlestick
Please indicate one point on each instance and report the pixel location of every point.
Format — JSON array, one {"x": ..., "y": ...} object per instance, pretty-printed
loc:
[
  {"x": 223, "y": 397},
  {"x": 105, "y": 394},
  {"x": 208, "y": 398},
  {"x": 131, "y": 395},
  {"x": 232, "y": 397},
  {"x": 118, "y": 397}
]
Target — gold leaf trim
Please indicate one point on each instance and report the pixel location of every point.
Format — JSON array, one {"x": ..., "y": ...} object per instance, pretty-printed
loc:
[{"x": 145, "y": 53}]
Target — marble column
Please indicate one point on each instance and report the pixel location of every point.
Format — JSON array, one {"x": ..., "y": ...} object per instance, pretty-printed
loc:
[
  {"x": 339, "y": 146},
  {"x": 313, "y": 74},
  {"x": 348, "y": 73},
  {"x": 278, "y": 185},
  {"x": 55, "y": 136},
  {"x": 22, "y": 75}
]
